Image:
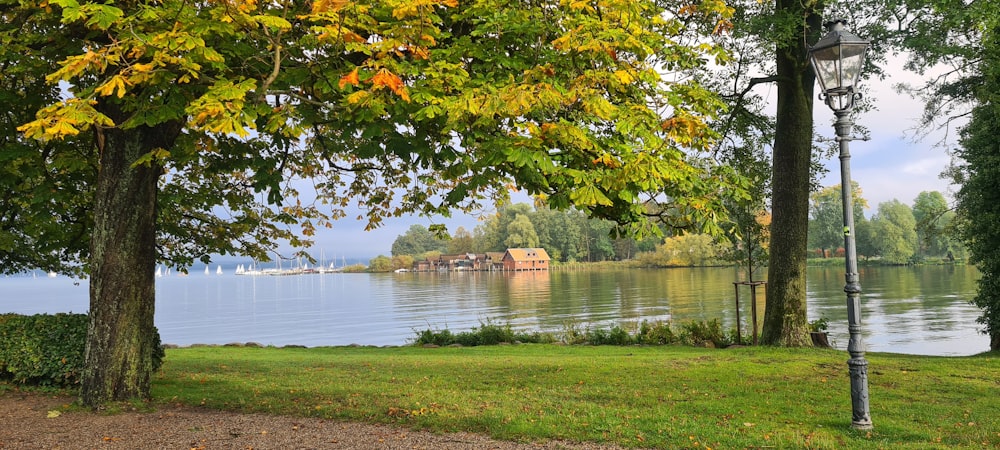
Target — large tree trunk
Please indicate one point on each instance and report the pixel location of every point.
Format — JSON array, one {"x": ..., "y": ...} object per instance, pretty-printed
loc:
[
  {"x": 118, "y": 361},
  {"x": 785, "y": 313}
]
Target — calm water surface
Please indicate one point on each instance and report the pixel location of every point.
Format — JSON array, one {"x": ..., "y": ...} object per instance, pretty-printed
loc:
[{"x": 917, "y": 310}]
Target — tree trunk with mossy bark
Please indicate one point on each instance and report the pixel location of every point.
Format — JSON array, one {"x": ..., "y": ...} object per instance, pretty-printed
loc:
[
  {"x": 785, "y": 315},
  {"x": 121, "y": 337}
]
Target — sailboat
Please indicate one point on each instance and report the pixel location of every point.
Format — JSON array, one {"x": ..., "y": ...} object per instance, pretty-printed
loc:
[
  {"x": 206, "y": 269},
  {"x": 218, "y": 270},
  {"x": 159, "y": 271}
]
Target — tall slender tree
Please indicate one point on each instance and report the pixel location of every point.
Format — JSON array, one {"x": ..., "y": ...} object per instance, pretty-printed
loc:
[{"x": 799, "y": 25}]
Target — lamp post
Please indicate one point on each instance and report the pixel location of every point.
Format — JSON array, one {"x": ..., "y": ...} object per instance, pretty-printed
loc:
[{"x": 837, "y": 60}]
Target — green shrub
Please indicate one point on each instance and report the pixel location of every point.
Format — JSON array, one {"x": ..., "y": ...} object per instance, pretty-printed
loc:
[
  {"x": 819, "y": 325},
  {"x": 43, "y": 349},
  {"x": 572, "y": 334},
  {"x": 656, "y": 333},
  {"x": 487, "y": 333},
  {"x": 46, "y": 349},
  {"x": 434, "y": 337},
  {"x": 615, "y": 336},
  {"x": 701, "y": 333}
]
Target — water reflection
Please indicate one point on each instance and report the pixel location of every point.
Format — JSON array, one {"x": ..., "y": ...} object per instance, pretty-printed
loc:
[
  {"x": 920, "y": 310},
  {"x": 917, "y": 310}
]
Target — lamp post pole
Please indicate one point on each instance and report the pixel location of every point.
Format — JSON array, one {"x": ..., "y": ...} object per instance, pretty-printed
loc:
[
  {"x": 837, "y": 60},
  {"x": 858, "y": 365}
]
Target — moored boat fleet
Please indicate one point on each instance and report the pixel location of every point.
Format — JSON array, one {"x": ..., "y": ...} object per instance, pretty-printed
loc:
[{"x": 254, "y": 270}]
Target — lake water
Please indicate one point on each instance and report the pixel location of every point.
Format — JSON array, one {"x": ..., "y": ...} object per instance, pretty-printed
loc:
[{"x": 916, "y": 310}]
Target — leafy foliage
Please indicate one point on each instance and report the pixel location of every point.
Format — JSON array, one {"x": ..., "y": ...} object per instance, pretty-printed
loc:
[
  {"x": 929, "y": 234},
  {"x": 826, "y": 211},
  {"x": 686, "y": 250},
  {"x": 935, "y": 234},
  {"x": 769, "y": 46},
  {"x": 962, "y": 38},
  {"x": 896, "y": 230},
  {"x": 819, "y": 325},
  {"x": 417, "y": 241},
  {"x": 380, "y": 263},
  {"x": 204, "y": 125},
  {"x": 567, "y": 236},
  {"x": 46, "y": 350},
  {"x": 521, "y": 233},
  {"x": 419, "y": 108},
  {"x": 979, "y": 196}
]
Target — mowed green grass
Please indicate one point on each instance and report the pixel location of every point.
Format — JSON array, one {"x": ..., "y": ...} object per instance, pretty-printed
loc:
[{"x": 665, "y": 397}]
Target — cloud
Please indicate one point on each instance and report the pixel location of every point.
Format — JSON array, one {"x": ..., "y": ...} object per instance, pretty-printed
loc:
[{"x": 896, "y": 163}]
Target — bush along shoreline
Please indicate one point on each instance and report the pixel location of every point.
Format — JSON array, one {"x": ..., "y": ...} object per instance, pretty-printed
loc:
[
  {"x": 708, "y": 334},
  {"x": 47, "y": 349}
]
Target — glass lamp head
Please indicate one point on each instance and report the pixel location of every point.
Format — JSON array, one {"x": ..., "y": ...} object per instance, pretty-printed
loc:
[{"x": 837, "y": 60}]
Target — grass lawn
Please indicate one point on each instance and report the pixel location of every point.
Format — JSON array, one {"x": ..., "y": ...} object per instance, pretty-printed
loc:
[{"x": 667, "y": 397}]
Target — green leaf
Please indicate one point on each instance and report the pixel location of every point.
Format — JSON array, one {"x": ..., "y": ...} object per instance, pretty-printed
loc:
[
  {"x": 103, "y": 16},
  {"x": 589, "y": 196},
  {"x": 273, "y": 22}
]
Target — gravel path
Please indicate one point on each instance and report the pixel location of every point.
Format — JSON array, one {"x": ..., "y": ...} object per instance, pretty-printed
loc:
[{"x": 28, "y": 421}]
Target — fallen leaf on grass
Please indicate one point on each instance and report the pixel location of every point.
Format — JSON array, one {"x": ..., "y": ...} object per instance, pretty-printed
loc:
[{"x": 53, "y": 414}]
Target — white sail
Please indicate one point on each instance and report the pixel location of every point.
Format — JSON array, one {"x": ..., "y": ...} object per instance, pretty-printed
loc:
[
  {"x": 206, "y": 269},
  {"x": 159, "y": 271},
  {"x": 218, "y": 270}
]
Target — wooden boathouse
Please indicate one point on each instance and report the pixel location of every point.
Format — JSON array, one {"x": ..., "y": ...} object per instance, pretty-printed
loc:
[{"x": 512, "y": 260}]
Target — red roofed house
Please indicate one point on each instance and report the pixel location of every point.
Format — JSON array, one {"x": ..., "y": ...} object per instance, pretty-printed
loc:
[{"x": 519, "y": 259}]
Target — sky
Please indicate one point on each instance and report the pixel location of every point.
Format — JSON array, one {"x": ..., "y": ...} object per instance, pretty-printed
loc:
[{"x": 892, "y": 165}]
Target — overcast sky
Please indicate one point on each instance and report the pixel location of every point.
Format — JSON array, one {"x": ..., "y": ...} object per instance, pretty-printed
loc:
[{"x": 892, "y": 165}]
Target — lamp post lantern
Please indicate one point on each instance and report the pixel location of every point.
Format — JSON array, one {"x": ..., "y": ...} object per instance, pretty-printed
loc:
[{"x": 837, "y": 60}]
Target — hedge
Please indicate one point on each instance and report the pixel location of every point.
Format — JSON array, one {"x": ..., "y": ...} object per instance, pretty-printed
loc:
[{"x": 47, "y": 349}]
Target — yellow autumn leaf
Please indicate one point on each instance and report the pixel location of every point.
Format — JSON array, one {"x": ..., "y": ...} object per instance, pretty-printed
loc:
[
  {"x": 624, "y": 77},
  {"x": 578, "y": 5},
  {"x": 321, "y": 6},
  {"x": 117, "y": 84},
  {"x": 246, "y": 5},
  {"x": 352, "y": 37},
  {"x": 357, "y": 97},
  {"x": 142, "y": 67},
  {"x": 60, "y": 129},
  {"x": 53, "y": 414}
]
